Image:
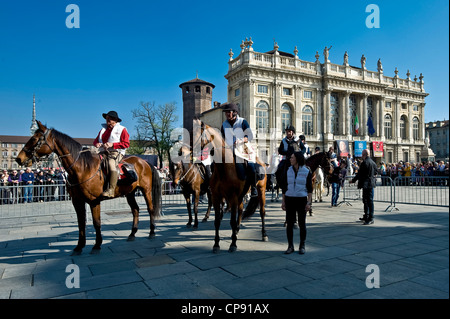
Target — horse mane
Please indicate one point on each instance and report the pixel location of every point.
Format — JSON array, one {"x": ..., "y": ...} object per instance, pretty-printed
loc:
[{"x": 74, "y": 148}]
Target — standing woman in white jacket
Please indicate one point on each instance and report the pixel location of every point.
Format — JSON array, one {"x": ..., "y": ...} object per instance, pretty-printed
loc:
[{"x": 297, "y": 199}]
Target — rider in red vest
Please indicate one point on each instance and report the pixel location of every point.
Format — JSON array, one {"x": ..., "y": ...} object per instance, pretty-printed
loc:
[{"x": 112, "y": 141}]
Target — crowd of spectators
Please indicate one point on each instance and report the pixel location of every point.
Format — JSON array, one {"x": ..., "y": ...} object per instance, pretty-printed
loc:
[{"x": 27, "y": 186}]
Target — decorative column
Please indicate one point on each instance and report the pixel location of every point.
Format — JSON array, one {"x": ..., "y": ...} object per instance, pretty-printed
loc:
[
  {"x": 348, "y": 114},
  {"x": 297, "y": 111},
  {"x": 318, "y": 121},
  {"x": 381, "y": 103},
  {"x": 326, "y": 111}
]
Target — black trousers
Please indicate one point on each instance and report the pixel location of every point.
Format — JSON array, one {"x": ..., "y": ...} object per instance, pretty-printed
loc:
[{"x": 295, "y": 207}]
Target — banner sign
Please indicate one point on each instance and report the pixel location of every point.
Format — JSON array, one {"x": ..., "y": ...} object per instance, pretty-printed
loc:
[
  {"x": 342, "y": 148},
  {"x": 377, "y": 149},
  {"x": 359, "y": 147}
]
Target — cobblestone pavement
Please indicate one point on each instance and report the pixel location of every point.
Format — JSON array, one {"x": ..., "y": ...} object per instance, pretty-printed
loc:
[{"x": 407, "y": 250}]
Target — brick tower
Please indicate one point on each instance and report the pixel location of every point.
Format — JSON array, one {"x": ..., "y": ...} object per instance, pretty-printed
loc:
[{"x": 197, "y": 98}]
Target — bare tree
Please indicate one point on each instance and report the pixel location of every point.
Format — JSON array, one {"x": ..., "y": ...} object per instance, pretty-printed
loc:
[{"x": 155, "y": 124}]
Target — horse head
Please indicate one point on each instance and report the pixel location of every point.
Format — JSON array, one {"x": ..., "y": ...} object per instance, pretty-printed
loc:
[
  {"x": 327, "y": 167},
  {"x": 36, "y": 147},
  {"x": 177, "y": 167}
]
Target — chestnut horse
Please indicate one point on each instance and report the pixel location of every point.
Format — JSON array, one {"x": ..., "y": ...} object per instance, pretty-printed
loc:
[
  {"x": 85, "y": 181},
  {"x": 192, "y": 181},
  {"x": 226, "y": 185}
]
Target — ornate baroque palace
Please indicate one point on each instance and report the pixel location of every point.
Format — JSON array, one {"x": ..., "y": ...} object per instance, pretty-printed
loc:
[{"x": 327, "y": 102}]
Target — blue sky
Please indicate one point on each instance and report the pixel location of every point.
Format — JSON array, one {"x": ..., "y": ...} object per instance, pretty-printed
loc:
[{"x": 130, "y": 51}]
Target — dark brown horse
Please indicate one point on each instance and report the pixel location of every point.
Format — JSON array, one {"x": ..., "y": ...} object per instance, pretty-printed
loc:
[
  {"x": 85, "y": 181},
  {"x": 192, "y": 181},
  {"x": 322, "y": 161},
  {"x": 226, "y": 185}
]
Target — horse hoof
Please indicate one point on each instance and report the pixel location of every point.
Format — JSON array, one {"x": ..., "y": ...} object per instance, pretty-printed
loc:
[
  {"x": 195, "y": 227},
  {"x": 151, "y": 236},
  {"x": 232, "y": 249},
  {"x": 95, "y": 251},
  {"x": 265, "y": 238},
  {"x": 188, "y": 225},
  {"x": 131, "y": 238},
  {"x": 204, "y": 220},
  {"x": 216, "y": 249},
  {"x": 76, "y": 253}
]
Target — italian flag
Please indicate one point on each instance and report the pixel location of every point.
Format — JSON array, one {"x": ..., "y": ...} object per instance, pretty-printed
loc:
[{"x": 356, "y": 124}]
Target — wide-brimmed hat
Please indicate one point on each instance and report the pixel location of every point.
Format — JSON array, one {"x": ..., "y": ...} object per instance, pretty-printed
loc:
[
  {"x": 112, "y": 114},
  {"x": 290, "y": 128},
  {"x": 229, "y": 107}
]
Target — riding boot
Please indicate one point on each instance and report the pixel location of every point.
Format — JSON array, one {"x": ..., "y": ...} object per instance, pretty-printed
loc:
[{"x": 113, "y": 176}]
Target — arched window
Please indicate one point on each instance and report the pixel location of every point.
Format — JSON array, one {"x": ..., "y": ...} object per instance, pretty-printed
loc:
[
  {"x": 334, "y": 113},
  {"x": 262, "y": 116},
  {"x": 285, "y": 116},
  {"x": 415, "y": 124},
  {"x": 307, "y": 120},
  {"x": 388, "y": 126},
  {"x": 403, "y": 122}
]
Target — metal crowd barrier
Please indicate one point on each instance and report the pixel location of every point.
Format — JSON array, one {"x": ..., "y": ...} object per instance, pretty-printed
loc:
[
  {"x": 40, "y": 200},
  {"x": 417, "y": 190},
  {"x": 53, "y": 199}
]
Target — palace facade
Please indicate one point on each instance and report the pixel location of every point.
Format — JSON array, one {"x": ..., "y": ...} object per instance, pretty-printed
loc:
[{"x": 327, "y": 102}]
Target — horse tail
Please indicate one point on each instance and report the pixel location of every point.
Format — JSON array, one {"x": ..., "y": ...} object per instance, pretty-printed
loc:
[
  {"x": 251, "y": 207},
  {"x": 156, "y": 192}
]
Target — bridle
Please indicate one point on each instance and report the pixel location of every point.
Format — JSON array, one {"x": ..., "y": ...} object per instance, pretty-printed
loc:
[
  {"x": 34, "y": 157},
  {"x": 32, "y": 153}
]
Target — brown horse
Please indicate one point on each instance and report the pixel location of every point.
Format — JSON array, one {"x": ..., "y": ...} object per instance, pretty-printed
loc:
[
  {"x": 192, "y": 181},
  {"x": 226, "y": 185},
  {"x": 85, "y": 181}
]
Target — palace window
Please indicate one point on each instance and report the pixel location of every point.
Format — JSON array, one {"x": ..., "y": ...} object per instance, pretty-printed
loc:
[
  {"x": 307, "y": 95},
  {"x": 287, "y": 91},
  {"x": 369, "y": 107},
  {"x": 307, "y": 120},
  {"x": 262, "y": 116},
  {"x": 237, "y": 92},
  {"x": 285, "y": 116},
  {"x": 415, "y": 108},
  {"x": 388, "y": 126},
  {"x": 415, "y": 124},
  {"x": 334, "y": 113},
  {"x": 263, "y": 89},
  {"x": 403, "y": 122},
  {"x": 388, "y": 105}
]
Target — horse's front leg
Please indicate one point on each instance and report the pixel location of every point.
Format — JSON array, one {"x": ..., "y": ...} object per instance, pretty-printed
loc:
[
  {"x": 218, "y": 213},
  {"x": 235, "y": 221},
  {"x": 262, "y": 212},
  {"x": 208, "y": 212},
  {"x": 196, "y": 199},
  {"x": 95, "y": 210},
  {"x": 80, "y": 209},
  {"x": 188, "y": 206}
]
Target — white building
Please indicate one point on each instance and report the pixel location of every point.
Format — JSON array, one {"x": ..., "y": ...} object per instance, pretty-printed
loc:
[{"x": 322, "y": 100}]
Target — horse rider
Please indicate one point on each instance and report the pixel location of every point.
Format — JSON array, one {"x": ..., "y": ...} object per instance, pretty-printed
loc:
[
  {"x": 289, "y": 144},
  {"x": 112, "y": 141},
  {"x": 236, "y": 130},
  {"x": 304, "y": 147}
]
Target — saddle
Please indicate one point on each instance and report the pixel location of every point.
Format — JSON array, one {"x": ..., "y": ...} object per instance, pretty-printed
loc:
[{"x": 127, "y": 172}]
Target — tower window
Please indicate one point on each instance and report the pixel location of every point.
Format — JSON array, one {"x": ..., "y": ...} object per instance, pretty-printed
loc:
[
  {"x": 197, "y": 88},
  {"x": 208, "y": 90},
  {"x": 186, "y": 89}
]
